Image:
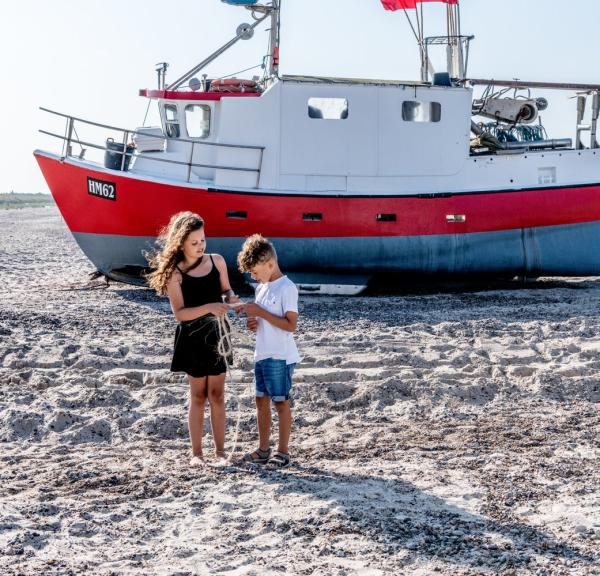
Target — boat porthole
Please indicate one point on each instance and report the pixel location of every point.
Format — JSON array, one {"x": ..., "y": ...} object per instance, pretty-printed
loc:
[{"x": 236, "y": 214}]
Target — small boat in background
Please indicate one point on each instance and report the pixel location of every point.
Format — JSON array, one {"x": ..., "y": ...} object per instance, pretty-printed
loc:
[{"x": 349, "y": 177}]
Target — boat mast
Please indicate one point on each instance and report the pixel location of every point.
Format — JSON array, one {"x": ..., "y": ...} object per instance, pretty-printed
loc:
[
  {"x": 457, "y": 47},
  {"x": 274, "y": 11},
  {"x": 260, "y": 12},
  {"x": 275, "y": 37},
  {"x": 456, "y": 67}
]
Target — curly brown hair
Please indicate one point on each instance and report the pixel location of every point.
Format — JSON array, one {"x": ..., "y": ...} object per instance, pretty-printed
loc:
[
  {"x": 256, "y": 249},
  {"x": 170, "y": 240}
]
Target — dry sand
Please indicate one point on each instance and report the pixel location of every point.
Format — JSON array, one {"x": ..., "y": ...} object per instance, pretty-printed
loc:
[{"x": 450, "y": 433}]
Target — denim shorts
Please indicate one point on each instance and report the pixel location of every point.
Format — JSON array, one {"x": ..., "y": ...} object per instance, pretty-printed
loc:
[{"x": 273, "y": 378}]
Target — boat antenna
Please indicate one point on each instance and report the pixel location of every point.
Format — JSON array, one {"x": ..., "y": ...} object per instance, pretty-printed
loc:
[{"x": 161, "y": 71}]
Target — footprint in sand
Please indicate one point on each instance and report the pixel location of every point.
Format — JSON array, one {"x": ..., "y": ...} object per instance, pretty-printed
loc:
[
  {"x": 114, "y": 397},
  {"x": 62, "y": 420},
  {"x": 521, "y": 371},
  {"x": 69, "y": 350},
  {"x": 20, "y": 425},
  {"x": 163, "y": 427},
  {"x": 133, "y": 379},
  {"x": 338, "y": 391},
  {"x": 94, "y": 432}
]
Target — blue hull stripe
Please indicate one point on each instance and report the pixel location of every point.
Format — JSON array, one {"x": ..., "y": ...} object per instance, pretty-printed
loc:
[{"x": 569, "y": 250}]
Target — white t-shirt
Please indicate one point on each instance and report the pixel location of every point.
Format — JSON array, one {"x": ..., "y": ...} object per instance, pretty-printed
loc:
[{"x": 277, "y": 297}]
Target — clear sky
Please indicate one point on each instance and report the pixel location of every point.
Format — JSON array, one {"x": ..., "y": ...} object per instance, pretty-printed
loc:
[{"x": 90, "y": 58}]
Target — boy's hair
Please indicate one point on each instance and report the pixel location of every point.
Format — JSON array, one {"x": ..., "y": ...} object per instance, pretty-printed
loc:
[{"x": 256, "y": 250}]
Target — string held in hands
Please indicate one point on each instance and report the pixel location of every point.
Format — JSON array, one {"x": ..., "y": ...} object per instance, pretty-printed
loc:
[{"x": 226, "y": 331}]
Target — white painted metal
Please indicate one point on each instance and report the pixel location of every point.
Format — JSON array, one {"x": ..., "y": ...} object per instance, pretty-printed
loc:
[
  {"x": 372, "y": 151},
  {"x": 149, "y": 139}
]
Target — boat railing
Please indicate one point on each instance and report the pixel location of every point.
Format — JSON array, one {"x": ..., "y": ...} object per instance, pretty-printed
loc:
[{"x": 127, "y": 151}]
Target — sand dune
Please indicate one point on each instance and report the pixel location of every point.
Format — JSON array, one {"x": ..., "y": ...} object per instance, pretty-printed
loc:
[{"x": 441, "y": 433}]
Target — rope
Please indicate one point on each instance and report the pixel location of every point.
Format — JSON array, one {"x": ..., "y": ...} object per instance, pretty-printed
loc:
[
  {"x": 147, "y": 110},
  {"x": 239, "y": 72},
  {"x": 225, "y": 349},
  {"x": 226, "y": 331}
]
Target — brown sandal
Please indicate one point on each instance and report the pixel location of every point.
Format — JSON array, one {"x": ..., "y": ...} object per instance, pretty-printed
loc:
[
  {"x": 279, "y": 461},
  {"x": 257, "y": 457}
]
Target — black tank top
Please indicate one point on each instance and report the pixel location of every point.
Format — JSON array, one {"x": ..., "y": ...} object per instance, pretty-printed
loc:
[{"x": 200, "y": 290}]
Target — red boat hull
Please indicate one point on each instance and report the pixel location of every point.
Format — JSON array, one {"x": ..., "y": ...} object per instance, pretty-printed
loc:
[{"x": 545, "y": 230}]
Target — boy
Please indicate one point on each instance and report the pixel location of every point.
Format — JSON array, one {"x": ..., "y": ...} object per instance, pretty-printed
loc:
[{"x": 274, "y": 317}]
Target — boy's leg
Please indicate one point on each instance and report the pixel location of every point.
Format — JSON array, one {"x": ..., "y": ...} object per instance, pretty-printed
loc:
[
  {"x": 284, "y": 412},
  {"x": 196, "y": 413},
  {"x": 263, "y": 414},
  {"x": 216, "y": 398},
  {"x": 280, "y": 386},
  {"x": 263, "y": 405}
]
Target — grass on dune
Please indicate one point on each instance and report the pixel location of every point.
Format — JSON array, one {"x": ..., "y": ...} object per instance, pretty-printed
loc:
[{"x": 13, "y": 200}]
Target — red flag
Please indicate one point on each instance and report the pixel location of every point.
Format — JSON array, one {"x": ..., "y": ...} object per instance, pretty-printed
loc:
[{"x": 403, "y": 4}]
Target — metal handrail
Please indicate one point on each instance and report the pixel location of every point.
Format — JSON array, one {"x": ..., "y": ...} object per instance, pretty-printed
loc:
[
  {"x": 68, "y": 140},
  {"x": 168, "y": 160},
  {"x": 246, "y": 146}
]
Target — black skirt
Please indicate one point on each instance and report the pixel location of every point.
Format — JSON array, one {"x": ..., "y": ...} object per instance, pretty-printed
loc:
[{"x": 196, "y": 348}]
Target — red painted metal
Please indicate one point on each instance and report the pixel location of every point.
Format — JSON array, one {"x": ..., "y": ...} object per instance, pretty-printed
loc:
[
  {"x": 210, "y": 96},
  {"x": 406, "y": 4},
  {"x": 143, "y": 207}
]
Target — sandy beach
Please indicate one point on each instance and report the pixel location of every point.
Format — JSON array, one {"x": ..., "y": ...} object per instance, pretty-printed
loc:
[{"x": 453, "y": 433}]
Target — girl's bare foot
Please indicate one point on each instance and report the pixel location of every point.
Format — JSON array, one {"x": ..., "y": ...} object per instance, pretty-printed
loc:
[
  {"x": 221, "y": 456},
  {"x": 197, "y": 461}
]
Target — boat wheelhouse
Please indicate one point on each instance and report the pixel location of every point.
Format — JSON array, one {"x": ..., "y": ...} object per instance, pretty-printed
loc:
[{"x": 349, "y": 177}]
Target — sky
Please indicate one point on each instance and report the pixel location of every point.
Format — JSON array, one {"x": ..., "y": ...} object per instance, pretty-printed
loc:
[{"x": 89, "y": 58}]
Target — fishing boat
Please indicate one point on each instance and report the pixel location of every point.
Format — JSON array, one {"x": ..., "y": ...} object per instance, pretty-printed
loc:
[{"x": 349, "y": 177}]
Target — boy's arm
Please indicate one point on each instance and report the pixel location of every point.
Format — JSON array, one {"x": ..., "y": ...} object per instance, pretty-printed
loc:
[{"x": 289, "y": 322}]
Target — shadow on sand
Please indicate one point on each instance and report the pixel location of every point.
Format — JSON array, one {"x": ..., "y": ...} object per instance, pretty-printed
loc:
[{"x": 396, "y": 516}]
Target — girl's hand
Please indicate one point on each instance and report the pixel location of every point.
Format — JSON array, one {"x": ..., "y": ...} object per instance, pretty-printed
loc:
[
  {"x": 217, "y": 308},
  {"x": 252, "y": 309},
  {"x": 232, "y": 298},
  {"x": 252, "y": 323}
]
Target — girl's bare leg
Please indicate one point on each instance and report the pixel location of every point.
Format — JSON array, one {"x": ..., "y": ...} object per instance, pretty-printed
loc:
[
  {"x": 196, "y": 413},
  {"x": 263, "y": 415},
  {"x": 216, "y": 398}
]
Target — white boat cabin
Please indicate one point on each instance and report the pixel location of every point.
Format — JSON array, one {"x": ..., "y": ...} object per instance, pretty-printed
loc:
[{"x": 307, "y": 134}]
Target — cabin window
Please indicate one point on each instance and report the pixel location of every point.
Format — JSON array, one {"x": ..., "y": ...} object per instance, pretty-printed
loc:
[
  {"x": 172, "y": 121},
  {"x": 328, "y": 108},
  {"x": 197, "y": 120},
  {"x": 414, "y": 111}
]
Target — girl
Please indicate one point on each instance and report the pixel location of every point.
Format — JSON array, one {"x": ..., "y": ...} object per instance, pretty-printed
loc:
[{"x": 196, "y": 284}]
